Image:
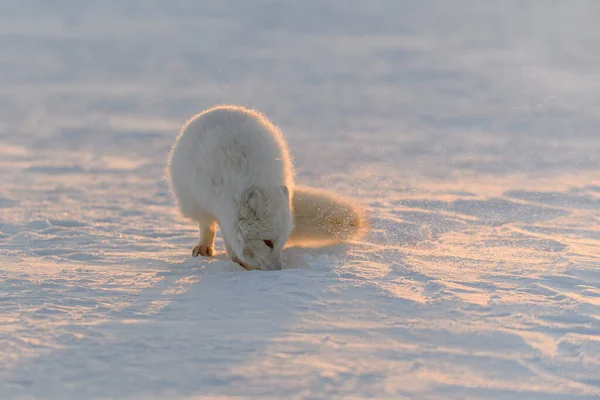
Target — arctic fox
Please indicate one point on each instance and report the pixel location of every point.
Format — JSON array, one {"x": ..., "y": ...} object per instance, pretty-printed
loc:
[{"x": 231, "y": 167}]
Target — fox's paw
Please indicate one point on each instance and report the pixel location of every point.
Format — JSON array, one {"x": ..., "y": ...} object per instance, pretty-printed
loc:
[{"x": 204, "y": 251}]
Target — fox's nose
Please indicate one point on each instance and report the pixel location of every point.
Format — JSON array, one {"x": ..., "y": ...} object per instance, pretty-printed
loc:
[{"x": 276, "y": 265}]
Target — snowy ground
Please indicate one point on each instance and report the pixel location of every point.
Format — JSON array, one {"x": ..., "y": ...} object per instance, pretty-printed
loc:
[{"x": 469, "y": 129}]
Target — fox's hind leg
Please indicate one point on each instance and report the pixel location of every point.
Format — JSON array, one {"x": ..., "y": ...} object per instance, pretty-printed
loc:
[{"x": 206, "y": 242}]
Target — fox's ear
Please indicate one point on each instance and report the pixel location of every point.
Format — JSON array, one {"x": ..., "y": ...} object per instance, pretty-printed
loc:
[
  {"x": 250, "y": 202},
  {"x": 286, "y": 191}
]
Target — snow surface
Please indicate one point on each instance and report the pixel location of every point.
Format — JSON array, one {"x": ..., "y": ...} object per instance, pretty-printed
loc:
[{"x": 469, "y": 129}]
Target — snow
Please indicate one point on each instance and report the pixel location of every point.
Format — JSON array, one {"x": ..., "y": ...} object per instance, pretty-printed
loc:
[{"x": 469, "y": 130}]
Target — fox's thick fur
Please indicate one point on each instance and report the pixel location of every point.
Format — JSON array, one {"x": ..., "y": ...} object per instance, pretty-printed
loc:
[
  {"x": 230, "y": 167},
  {"x": 323, "y": 218}
]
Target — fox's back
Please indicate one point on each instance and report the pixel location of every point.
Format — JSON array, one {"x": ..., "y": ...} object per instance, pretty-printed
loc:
[{"x": 228, "y": 148}]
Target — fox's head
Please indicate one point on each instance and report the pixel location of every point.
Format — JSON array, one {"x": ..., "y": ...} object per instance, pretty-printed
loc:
[{"x": 265, "y": 223}]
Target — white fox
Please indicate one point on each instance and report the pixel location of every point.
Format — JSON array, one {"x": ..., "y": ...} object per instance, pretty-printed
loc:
[{"x": 231, "y": 167}]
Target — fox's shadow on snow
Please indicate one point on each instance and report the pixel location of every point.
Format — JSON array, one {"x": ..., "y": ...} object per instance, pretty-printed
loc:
[{"x": 202, "y": 319}]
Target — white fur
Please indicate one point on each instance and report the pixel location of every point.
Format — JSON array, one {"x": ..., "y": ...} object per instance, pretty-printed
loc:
[{"x": 231, "y": 167}]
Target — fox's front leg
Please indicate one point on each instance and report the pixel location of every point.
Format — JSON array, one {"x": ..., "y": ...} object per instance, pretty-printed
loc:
[{"x": 206, "y": 243}]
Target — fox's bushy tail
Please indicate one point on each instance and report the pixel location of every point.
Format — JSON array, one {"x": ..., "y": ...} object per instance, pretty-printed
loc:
[{"x": 324, "y": 218}]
